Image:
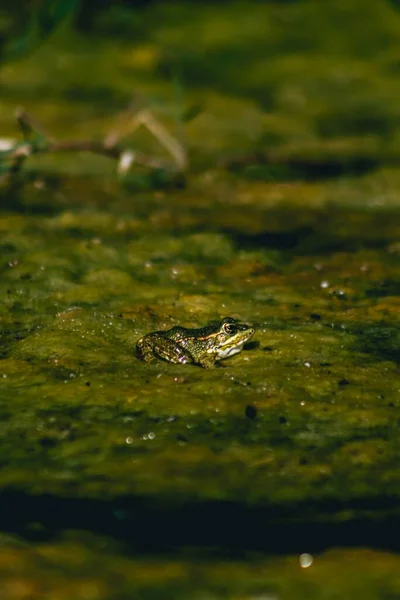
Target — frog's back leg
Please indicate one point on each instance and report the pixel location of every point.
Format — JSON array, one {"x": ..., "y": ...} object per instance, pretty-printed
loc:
[{"x": 153, "y": 345}]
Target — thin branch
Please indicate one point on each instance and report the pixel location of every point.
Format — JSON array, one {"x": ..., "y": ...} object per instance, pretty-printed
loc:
[
  {"x": 165, "y": 138},
  {"x": 115, "y": 152},
  {"x": 109, "y": 147},
  {"x": 146, "y": 119}
]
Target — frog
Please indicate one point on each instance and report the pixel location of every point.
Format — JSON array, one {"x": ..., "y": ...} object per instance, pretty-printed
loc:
[{"x": 204, "y": 346}]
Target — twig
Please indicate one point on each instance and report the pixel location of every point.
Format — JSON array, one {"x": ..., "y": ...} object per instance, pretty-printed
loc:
[
  {"x": 147, "y": 119},
  {"x": 115, "y": 152},
  {"x": 36, "y": 141}
]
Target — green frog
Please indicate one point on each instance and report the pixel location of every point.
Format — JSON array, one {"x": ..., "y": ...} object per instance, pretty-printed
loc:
[{"x": 202, "y": 346}]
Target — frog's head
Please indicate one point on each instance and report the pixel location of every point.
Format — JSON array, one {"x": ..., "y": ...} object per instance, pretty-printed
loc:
[{"x": 229, "y": 337}]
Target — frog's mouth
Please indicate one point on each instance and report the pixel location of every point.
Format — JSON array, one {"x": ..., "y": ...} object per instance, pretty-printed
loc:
[
  {"x": 234, "y": 345},
  {"x": 225, "y": 351}
]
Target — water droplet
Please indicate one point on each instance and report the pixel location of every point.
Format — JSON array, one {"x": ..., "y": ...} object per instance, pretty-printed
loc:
[{"x": 305, "y": 560}]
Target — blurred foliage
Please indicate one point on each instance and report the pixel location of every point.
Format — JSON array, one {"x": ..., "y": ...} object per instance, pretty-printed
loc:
[
  {"x": 273, "y": 90},
  {"x": 24, "y": 25}
]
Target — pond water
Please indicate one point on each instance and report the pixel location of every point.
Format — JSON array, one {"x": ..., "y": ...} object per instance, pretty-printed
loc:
[{"x": 275, "y": 474}]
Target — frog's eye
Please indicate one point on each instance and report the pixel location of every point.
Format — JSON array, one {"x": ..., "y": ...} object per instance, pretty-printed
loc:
[{"x": 229, "y": 328}]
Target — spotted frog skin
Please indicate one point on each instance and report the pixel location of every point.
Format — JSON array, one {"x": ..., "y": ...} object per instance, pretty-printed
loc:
[{"x": 203, "y": 346}]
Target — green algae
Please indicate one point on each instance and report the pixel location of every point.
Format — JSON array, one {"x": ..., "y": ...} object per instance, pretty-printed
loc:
[{"x": 80, "y": 289}]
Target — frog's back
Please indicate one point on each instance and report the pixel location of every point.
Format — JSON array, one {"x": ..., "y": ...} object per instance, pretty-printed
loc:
[
  {"x": 176, "y": 333},
  {"x": 179, "y": 333}
]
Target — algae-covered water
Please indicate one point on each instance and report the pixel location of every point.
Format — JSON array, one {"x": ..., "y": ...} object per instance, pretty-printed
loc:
[{"x": 274, "y": 475}]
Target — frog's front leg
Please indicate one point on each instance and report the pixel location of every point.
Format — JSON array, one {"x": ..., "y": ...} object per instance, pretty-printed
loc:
[
  {"x": 154, "y": 344},
  {"x": 207, "y": 361}
]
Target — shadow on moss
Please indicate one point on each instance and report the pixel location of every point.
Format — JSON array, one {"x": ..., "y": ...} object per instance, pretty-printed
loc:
[
  {"x": 382, "y": 342},
  {"x": 226, "y": 527}
]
